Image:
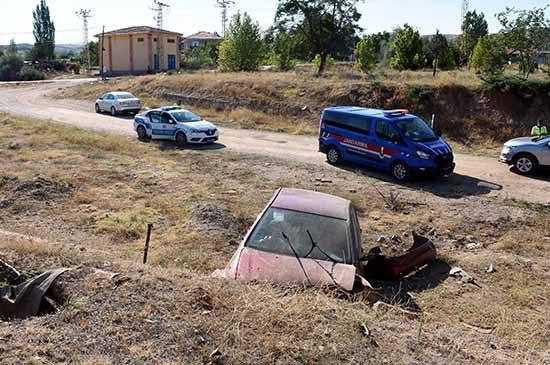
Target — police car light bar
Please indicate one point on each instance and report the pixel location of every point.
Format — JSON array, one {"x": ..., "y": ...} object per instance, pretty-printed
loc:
[{"x": 395, "y": 113}]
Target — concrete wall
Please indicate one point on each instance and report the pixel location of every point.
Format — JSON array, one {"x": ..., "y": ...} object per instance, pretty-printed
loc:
[{"x": 134, "y": 54}]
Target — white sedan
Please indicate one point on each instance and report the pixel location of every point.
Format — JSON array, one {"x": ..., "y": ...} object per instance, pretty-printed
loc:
[{"x": 118, "y": 102}]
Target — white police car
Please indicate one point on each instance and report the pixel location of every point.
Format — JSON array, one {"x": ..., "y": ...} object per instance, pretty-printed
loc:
[{"x": 175, "y": 124}]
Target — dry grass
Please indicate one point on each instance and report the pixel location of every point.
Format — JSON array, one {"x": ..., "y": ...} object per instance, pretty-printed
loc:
[{"x": 172, "y": 311}]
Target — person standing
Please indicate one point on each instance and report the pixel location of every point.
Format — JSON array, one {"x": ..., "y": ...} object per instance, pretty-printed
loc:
[{"x": 539, "y": 130}]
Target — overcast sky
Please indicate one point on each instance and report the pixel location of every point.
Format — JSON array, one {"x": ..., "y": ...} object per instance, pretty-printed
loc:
[{"x": 189, "y": 16}]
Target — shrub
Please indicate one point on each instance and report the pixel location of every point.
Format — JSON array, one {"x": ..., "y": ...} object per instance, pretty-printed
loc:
[
  {"x": 199, "y": 57},
  {"x": 283, "y": 52},
  {"x": 489, "y": 57},
  {"x": 243, "y": 48},
  {"x": 365, "y": 54},
  {"x": 29, "y": 73},
  {"x": 317, "y": 61},
  {"x": 516, "y": 84},
  {"x": 10, "y": 65}
]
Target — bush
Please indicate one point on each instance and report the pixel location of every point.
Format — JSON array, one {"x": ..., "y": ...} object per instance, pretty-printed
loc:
[
  {"x": 489, "y": 57},
  {"x": 243, "y": 48},
  {"x": 516, "y": 84},
  {"x": 283, "y": 52},
  {"x": 408, "y": 48},
  {"x": 29, "y": 73},
  {"x": 365, "y": 54},
  {"x": 317, "y": 61},
  {"x": 199, "y": 57},
  {"x": 10, "y": 65}
]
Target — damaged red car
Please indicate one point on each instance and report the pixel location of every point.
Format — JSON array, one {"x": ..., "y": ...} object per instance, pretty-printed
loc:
[{"x": 311, "y": 238}]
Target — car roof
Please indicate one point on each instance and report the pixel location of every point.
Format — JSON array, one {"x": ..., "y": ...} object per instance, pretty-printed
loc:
[
  {"x": 312, "y": 202},
  {"x": 115, "y": 93},
  {"x": 387, "y": 115},
  {"x": 169, "y": 110}
]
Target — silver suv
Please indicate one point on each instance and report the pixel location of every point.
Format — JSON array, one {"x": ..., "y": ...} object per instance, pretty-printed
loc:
[{"x": 527, "y": 153}]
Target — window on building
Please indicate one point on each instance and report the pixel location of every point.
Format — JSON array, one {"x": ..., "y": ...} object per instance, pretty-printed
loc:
[
  {"x": 141, "y": 39},
  {"x": 171, "y": 41},
  {"x": 154, "y": 39}
]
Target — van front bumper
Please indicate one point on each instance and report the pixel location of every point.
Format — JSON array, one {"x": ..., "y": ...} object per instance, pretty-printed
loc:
[{"x": 434, "y": 171}]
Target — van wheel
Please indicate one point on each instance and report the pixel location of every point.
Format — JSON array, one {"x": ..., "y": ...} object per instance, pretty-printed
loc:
[
  {"x": 400, "y": 171},
  {"x": 525, "y": 164},
  {"x": 181, "y": 139},
  {"x": 333, "y": 156}
]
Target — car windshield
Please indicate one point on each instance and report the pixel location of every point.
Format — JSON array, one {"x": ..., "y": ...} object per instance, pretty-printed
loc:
[
  {"x": 184, "y": 116},
  {"x": 417, "y": 130},
  {"x": 125, "y": 96},
  {"x": 312, "y": 236},
  {"x": 545, "y": 139}
]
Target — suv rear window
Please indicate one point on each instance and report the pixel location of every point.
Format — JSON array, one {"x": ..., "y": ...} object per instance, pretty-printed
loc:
[{"x": 330, "y": 235}]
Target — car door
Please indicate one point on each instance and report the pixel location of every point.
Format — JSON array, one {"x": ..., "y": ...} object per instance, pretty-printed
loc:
[
  {"x": 156, "y": 125},
  {"x": 168, "y": 126},
  {"x": 388, "y": 143},
  {"x": 545, "y": 154},
  {"x": 103, "y": 102}
]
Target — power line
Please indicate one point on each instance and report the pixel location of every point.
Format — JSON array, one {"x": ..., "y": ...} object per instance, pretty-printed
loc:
[
  {"x": 224, "y": 5},
  {"x": 159, "y": 17},
  {"x": 465, "y": 9}
]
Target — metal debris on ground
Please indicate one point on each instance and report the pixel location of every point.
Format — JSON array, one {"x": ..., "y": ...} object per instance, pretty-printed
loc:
[
  {"x": 465, "y": 278},
  {"x": 491, "y": 269},
  {"x": 479, "y": 329}
]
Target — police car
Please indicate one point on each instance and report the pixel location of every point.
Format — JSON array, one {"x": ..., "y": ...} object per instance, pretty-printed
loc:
[
  {"x": 393, "y": 140},
  {"x": 175, "y": 124}
]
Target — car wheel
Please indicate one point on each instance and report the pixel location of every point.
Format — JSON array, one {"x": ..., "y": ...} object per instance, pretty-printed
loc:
[
  {"x": 333, "y": 156},
  {"x": 181, "y": 139},
  {"x": 113, "y": 111},
  {"x": 97, "y": 109},
  {"x": 142, "y": 133},
  {"x": 525, "y": 164},
  {"x": 400, "y": 171}
]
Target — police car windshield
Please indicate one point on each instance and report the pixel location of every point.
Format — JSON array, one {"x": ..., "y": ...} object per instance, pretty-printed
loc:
[
  {"x": 185, "y": 117},
  {"x": 417, "y": 130}
]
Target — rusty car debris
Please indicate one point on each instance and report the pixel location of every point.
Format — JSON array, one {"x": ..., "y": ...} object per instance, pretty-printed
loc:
[{"x": 311, "y": 238}]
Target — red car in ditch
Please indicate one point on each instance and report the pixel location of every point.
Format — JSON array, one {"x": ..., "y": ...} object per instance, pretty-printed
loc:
[{"x": 311, "y": 238}]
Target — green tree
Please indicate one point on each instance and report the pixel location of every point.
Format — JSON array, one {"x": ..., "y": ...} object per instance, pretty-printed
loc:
[
  {"x": 243, "y": 47},
  {"x": 366, "y": 53},
  {"x": 12, "y": 48},
  {"x": 10, "y": 66},
  {"x": 283, "y": 51},
  {"x": 44, "y": 33},
  {"x": 440, "y": 53},
  {"x": 408, "y": 49},
  {"x": 328, "y": 27},
  {"x": 489, "y": 57},
  {"x": 474, "y": 26},
  {"x": 94, "y": 57},
  {"x": 526, "y": 32}
]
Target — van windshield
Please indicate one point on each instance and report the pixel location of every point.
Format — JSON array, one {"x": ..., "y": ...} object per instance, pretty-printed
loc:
[{"x": 417, "y": 130}]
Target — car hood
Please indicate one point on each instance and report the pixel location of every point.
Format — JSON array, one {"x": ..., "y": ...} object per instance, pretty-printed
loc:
[
  {"x": 202, "y": 125},
  {"x": 438, "y": 147},
  {"x": 523, "y": 141}
]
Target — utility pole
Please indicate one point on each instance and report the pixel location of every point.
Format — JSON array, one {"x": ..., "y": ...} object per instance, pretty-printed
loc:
[
  {"x": 465, "y": 9},
  {"x": 224, "y": 5},
  {"x": 159, "y": 17},
  {"x": 85, "y": 14},
  {"x": 101, "y": 60}
]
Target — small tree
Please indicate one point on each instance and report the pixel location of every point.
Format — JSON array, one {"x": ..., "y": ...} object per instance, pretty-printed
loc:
[
  {"x": 243, "y": 48},
  {"x": 10, "y": 66},
  {"x": 283, "y": 51},
  {"x": 366, "y": 53},
  {"x": 489, "y": 57},
  {"x": 474, "y": 26},
  {"x": 44, "y": 33},
  {"x": 526, "y": 32},
  {"x": 408, "y": 49},
  {"x": 12, "y": 48}
]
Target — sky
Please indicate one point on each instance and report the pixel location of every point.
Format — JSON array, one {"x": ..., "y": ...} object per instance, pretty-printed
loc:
[{"x": 190, "y": 16}]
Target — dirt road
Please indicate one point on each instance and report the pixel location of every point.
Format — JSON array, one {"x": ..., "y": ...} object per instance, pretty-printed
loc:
[{"x": 474, "y": 175}]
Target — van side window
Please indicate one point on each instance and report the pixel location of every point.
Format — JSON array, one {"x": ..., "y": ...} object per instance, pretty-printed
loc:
[
  {"x": 353, "y": 124},
  {"x": 385, "y": 131}
]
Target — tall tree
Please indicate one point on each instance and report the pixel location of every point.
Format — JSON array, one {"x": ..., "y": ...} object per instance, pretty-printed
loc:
[
  {"x": 329, "y": 26},
  {"x": 44, "y": 33},
  {"x": 438, "y": 49},
  {"x": 489, "y": 57},
  {"x": 243, "y": 47},
  {"x": 12, "y": 48},
  {"x": 527, "y": 33},
  {"x": 408, "y": 49},
  {"x": 474, "y": 27}
]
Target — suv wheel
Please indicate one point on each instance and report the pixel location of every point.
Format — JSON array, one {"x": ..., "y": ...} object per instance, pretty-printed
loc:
[
  {"x": 97, "y": 110},
  {"x": 525, "y": 164},
  {"x": 113, "y": 111},
  {"x": 400, "y": 171},
  {"x": 141, "y": 132},
  {"x": 333, "y": 156},
  {"x": 181, "y": 139}
]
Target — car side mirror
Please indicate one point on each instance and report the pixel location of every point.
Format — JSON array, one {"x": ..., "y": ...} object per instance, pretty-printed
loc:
[
  {"x": 548, "y": 144},
  {"x": 395, "y": 139},
  {"x": 439, "y": 132}
]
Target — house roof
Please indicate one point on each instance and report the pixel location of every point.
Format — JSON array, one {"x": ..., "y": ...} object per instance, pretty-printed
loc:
[
  {"x": 205, "y": 35},
  {"x": 312, "y": 202},
  {"x": 139, "y": 30}
]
